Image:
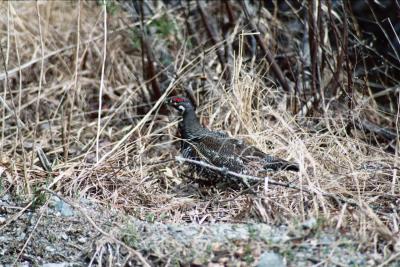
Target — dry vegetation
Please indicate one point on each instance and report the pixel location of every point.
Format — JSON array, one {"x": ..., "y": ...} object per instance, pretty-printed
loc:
[{"x": 56, "y": 62}]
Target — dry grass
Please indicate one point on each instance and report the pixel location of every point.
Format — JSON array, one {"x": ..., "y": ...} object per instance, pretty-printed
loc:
[{"x": 54, "y": 77}]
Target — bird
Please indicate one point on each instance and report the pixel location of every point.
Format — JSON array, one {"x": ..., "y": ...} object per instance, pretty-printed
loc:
[{"x": 219, "y": 149}]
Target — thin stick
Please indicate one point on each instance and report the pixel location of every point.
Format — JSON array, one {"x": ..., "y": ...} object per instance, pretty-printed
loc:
[
  {"x": 74, "y": 88},
  {"x": 275, "y": 68},
  {"x": 244, "y": 178},
  {"x": 397, "y": 144},
  {"x": 238, "y": 175},
  {"x": 245, "y": 191},
  {"x": 5, "y": 63},
  {"x": 18, "y": 110},
  {"x": 101, "y": 82},
  {"x": 39, "y": 89}
]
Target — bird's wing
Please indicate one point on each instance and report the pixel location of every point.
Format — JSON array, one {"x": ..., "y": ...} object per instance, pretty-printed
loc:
[
  {"x": 255, "y": 158},
  {"x": 216, "y": 149},
  {"x": 237, "y": 155}
]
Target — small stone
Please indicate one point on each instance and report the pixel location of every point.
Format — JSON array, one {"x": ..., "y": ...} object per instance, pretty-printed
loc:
[
  {"x": 50, "y": 249},
  {"x": 64, "y": 208},
  {"x": 45, "y": 126},
  {"x": 2, "y": 220},
  {"x": 197, "y": 262},
  {"x": 64, "y": 236},
  {"x": 4, "y": 239},
  {"x": 82, "y": 240},
  {"x": 28, "y": 144},
  {"x": 268, "y": 259},
  {"x": 309, "y": 224},
  {"x": 216, "y": 247},
  {"x": 21, "y": 236}
]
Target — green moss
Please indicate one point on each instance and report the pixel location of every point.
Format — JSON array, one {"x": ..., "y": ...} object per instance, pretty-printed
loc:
[
  {"x": 39, "y": 198},
  {"x": 253, "y": 232},
  {"x": 151, "y": 217},
  {"x": 130, "y": 236},
  {"x": 248, "y": 255},
  {"x": 135, "y": 38},
  {"x": 164, "y": 26},
  {"x": 288, "y": 254},
  {"x": 52, "y": 238},
  {"x": 209, "y": 249}
]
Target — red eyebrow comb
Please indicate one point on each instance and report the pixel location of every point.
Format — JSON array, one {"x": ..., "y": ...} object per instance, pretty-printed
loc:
[{"x": 178, "y": 99}]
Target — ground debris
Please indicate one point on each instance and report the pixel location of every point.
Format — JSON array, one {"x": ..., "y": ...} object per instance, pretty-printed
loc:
[{"x": 59, "y": 240}]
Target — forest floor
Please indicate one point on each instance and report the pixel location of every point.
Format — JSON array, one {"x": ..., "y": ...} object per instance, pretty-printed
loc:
[{"x": 58, "y": 234}]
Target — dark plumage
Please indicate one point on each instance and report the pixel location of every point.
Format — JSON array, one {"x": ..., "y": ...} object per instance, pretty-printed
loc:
[{"x": 218, "y": 149}]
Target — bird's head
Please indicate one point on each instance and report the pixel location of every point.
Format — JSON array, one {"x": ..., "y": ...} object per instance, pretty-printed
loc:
[{"x": 181, "y": 104}]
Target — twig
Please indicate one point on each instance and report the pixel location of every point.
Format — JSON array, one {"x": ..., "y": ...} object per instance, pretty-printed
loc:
[
  {"x": 213, "y": 35},
  {"x": 245, "y": 177},
  {"x": 349, "y": 70},
  {"x": 245, "y": 191},
  {"x": 148, "y": 65},
  {"x": 275, "y": 68},
  {"x": 19, "y": 135},
  {"x": 314, "y": 46},
  {"x": 74, "y": 88},
  {"x": 386, "y": 133},
  {"x": 101, "y": 82},
  {"x": 19, "y": 123},
  {"x": 37, "y": 114},
  {"x": 334, "y": 83}
]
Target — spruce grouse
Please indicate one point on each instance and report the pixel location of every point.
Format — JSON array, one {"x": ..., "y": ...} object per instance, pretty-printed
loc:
[{"x": 218, "y": 149}]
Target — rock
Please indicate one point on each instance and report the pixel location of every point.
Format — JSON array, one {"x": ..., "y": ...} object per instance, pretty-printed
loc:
[
  {"x": 269, "y": 259},
  {"x": 82, "y": 240},
  {"x": 64, "y": 208},
  {"x": 64, "y": 236},
  {"x": 309, "y": 224},
  {"x": 50, "y": 249}
]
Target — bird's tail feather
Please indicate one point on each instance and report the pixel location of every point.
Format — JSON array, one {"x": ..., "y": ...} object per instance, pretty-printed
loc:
[{"x": 280, "y": 164}]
